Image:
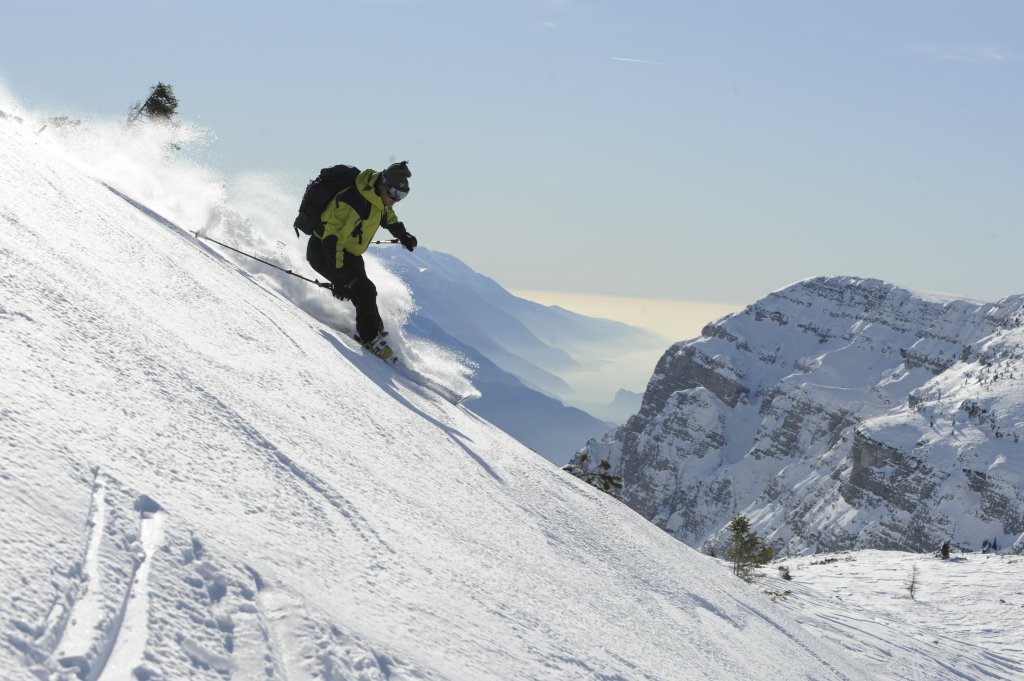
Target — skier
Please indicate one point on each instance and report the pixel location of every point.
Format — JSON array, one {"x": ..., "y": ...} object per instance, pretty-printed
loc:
[{"x": 348, "y": 225}]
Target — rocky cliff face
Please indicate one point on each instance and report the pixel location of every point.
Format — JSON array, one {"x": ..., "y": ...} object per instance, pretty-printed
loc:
[{"x": 836, "y": 413}]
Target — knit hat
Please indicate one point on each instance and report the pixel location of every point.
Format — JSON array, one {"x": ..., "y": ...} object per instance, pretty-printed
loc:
[{"x": 397, "y": 175}]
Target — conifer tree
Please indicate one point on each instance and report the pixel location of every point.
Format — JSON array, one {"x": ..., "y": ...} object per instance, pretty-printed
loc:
[
  {"x": 600, "y": 475},
  {"x": 160, "y": 105},
  {"x": 747, "y": 551}
]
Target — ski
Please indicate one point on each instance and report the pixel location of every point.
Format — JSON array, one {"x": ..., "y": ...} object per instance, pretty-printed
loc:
[{"x": 384, "y": 353}]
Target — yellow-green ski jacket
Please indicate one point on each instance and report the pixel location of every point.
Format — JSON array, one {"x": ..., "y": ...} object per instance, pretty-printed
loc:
[{"x": 354, "y": 215}]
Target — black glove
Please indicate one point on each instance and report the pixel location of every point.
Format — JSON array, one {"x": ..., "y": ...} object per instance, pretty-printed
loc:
[
  {"x": 408, "y": 240},
  {"x": 399, "y": 231}
]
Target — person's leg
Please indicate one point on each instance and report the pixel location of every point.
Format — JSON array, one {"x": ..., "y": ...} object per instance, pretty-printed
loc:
[
  {"x": 363, "y": 294},
  {"x": 315, "y": 256}
]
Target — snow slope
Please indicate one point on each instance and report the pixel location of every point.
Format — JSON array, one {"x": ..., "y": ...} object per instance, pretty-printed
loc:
[
  {"x": 201, "y": 480},
  {"x": 965, "y": 621}
]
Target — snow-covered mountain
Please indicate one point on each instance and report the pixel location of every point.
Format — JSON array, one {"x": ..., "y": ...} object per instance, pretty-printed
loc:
[
  {"x": 201, "y": 480},
  {"x": 837, "y": 413}
]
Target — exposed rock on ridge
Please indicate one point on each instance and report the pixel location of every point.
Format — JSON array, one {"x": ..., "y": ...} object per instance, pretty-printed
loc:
[{"x": 836, "y": 413}]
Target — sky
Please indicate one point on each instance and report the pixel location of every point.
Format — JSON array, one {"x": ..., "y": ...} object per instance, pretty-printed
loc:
[
  {"x": 673, "y": 319},
  {"x": 686, "y": 151}
]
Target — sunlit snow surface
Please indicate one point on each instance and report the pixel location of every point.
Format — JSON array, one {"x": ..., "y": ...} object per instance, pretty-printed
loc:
[
  {"x": 201, "y": 480},
  {"x": 964, "y": 621}
]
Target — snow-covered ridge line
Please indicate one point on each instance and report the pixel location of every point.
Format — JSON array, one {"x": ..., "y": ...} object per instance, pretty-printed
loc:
[{"x": 837, "y": 413}]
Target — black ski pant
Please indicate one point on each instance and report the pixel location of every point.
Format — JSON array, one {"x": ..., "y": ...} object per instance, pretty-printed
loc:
[{"x": 351, "y": 279}]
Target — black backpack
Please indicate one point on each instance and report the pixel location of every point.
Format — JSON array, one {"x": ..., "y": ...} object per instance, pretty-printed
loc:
[{"x": 319, "y": 193}]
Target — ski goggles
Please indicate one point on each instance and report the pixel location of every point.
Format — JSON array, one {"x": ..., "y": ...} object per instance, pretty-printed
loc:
[{"x": 396, "y": 193}]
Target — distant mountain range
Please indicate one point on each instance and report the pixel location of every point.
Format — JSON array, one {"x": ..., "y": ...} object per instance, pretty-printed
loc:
[
  {"x": 523, "y": 349},
  {"x": 837, "y": 413}
]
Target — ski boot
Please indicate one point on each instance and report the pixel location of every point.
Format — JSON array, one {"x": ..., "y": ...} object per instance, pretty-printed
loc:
[{"x": 379, "y": 346}]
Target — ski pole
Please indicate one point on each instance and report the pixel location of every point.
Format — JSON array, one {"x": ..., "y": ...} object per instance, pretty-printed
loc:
[
  {"x": 321, "y": 284},
  {"x": 387, "y": 241}
]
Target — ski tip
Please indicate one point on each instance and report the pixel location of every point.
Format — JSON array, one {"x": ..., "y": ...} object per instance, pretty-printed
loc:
[{"x": 457, "y": 401}]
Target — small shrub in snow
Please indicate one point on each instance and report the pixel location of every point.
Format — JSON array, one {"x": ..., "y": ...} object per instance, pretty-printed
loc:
[
  {"x": 913, "y": 583},
  {"x": 990, "y": 546},
  {"x": 599, "y": 475},
  {"x": 779, "y": 595}
]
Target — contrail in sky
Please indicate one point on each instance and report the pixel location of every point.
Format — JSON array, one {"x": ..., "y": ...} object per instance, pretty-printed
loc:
[{"x": 636, "y": 61}]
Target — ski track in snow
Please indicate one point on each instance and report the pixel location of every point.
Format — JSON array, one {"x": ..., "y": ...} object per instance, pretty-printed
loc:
[
  {"x": 110, "y": 593},
  {"x": 966, "y": 622},
  {"x": 105, "y": 631},
  {"x": 130, "y": 639},
  {"x": 85, "y": 617},
  {"x": 297, "y": 475}
]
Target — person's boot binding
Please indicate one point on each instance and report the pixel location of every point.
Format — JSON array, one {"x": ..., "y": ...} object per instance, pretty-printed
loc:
[{"x": 379, "y": 346}]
